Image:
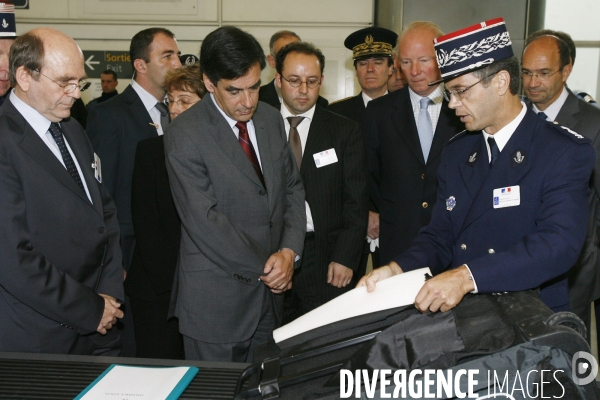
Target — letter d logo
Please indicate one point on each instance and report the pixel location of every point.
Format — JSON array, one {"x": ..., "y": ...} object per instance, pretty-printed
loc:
[{"x": 583, "y": 365}]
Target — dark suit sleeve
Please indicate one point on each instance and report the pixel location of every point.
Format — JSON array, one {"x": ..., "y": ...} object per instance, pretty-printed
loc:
[
  {"x": 373, "y": 158},
  {"x": 27, "y": 275},
  {"x": 104, "y": 133},
  {"x": 349, "y": 244},
  {"x": 150, "y": 232}
]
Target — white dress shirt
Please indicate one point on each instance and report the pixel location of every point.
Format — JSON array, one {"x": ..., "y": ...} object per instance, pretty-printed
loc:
[
  {"x": 149, "y": 102},
  {"x": 303, "y": 128},
  {"x": 554, "y": 108},
  {"x": 434, "y": 110},
  {"x": 41, "y": 126},
  {"x": 367, "y": 99},
  {"x": 236, "y": 131},
  {"x": 503, "y": 135}
]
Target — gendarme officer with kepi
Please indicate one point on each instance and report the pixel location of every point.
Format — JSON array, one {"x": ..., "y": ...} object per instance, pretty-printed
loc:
[
  {"x": 372, "y": 52},
  {"x": 512, "y": 203}
]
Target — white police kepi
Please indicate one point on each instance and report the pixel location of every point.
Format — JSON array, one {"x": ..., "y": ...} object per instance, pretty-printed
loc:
[{"x": 472, "y": 48}]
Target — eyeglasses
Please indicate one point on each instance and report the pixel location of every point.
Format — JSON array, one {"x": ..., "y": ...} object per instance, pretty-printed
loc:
[
  {"x": 297, "y": 82},
  {"x": 184, "y": 103},
  {"x": 66, "y": 86},
  {"x": 540, "y": 75},
  {"x": 461, "y": 92}
]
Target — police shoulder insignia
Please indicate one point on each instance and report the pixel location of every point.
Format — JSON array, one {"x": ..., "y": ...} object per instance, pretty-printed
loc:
[
  {"x": 459, "y": 134},
  {"x": 570, "y": 133}
]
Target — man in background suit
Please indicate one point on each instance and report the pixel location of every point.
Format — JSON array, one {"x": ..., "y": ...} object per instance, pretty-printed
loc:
[
  {"x": 329, "y": 152},
  {"x": 241, "y": 203},
  {"x": 109, "y": 82},
  {"x": 270, "y": 93},
  {"x": 372, "y": 50},
  {"x": 61, "y": 277},
  {"x": 404, "y": 142},
  {"x": 116, "y": 126},
  {"x": 546, "y": 66}
]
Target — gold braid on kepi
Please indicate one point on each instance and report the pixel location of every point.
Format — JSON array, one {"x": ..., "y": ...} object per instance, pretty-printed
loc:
[{"x": 371, "y": 42}]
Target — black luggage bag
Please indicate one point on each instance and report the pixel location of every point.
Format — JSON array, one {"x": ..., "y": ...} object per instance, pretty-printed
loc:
[{"x": 509, "y": 334}]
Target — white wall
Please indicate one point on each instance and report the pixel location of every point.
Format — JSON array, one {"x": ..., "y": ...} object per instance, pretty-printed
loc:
[
  {"x": 110, "y": 24},
  {"x": 579, "y": 18}
]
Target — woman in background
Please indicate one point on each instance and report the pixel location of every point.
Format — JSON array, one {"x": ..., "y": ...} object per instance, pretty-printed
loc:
[{"x": 157, "y": 228}]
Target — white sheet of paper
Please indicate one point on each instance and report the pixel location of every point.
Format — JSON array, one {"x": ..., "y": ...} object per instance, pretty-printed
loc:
[
  {"x": 397, "y": 291},
  {"x": 128, "y": 382}
]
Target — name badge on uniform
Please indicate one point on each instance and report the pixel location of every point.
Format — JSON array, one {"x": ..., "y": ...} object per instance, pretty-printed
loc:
[
  {"x": 325, "y": 157},
  {"x": 97, "y": 168},
  {"x": 507, "y": 197}
]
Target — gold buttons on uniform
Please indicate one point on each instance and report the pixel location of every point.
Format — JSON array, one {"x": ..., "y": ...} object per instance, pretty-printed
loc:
[
  {"x": 425, "y": 205},
  {"x": 463, "y": 246},
  {"x": 491, "y": 251}
]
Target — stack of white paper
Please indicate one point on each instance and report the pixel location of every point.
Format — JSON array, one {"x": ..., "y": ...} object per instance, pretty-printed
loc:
[{"x": 397, "y": 291}]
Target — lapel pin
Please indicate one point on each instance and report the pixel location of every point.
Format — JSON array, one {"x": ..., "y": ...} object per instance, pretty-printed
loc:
[
  {"x": 450, "y": 203},
  {"x": 519, "y": 157},
  {"x": 473, "y": 157}
]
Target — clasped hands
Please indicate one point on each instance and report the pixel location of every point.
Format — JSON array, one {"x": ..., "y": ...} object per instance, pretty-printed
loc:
[
  {"x": 110, "y": 315},
  {"x": 440, "y": 293}
]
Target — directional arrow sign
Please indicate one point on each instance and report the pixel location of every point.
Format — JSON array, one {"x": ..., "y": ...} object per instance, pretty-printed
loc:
[
  {"x": 89, "y": 62},
  {"x": 98, "y": 61}
]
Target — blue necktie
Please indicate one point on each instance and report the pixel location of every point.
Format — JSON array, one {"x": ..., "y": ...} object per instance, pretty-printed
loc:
[
  {"x": 493, "y": 150},
  {"x": 542, "y": 115},
  {"x": 424, "y": 127}
]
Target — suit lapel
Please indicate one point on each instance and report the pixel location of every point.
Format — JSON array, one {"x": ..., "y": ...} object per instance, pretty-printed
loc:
[
  {"x": 314, "y": 142},
  {"x": 33, "y": 145},
  {"x": 79, "y": 150},
  {"x": 231, "y": 145},
  {"x": 440, "y": 138},
  {"x": 509, "y": 168},
  {"x": 568, "y": 111},
  {"x": 139, "y": 113},
  {"x": 404, "y": 120}
]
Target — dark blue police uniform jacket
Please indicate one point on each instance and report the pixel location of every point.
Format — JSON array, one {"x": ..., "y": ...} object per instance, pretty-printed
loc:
[{"x": 526, "y": 246}]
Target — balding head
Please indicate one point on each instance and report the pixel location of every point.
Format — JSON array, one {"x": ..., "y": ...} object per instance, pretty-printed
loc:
[
  {"x": 544, "y": 70},
  {"x": 416, "y": 56},
  {"x": 44, "y": 65}
]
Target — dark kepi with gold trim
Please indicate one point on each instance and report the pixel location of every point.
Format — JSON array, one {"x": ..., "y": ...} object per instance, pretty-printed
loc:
[{"x": 371, "y": 42}]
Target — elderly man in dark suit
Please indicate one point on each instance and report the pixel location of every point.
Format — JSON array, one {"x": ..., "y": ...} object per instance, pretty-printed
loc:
[
  {"x": 61, "y": 277},
  {"x": 404, "y": 133},
  {"x": 241, "y": 203},
  {"x": 270, "y": 93},
  {"x": 546, "y": 66},
  {"x": 329, "y": 151},
  {"x": 512, "y": 209}
]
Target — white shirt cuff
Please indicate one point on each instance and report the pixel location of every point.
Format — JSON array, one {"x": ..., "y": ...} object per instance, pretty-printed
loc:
[{"x": 475, "y": 291}]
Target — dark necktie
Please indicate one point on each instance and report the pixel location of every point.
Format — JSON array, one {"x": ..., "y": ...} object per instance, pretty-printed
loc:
[
  {"x": 249, "y": 149},
  {"x": 493, "y": 149},
  {"x": 542, "y": 115},
  {"x": 294, "y": 139},
  {"x": 164, "y": 115},
  {"x": 64, "y": 152}
]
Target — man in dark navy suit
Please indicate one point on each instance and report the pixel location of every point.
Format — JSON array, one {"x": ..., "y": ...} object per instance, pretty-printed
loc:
[{"x": 512, "y": 207}]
